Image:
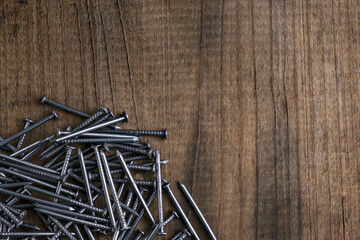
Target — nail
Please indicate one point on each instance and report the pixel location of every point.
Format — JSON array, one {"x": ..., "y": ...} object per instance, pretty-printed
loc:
[
  {"x": 159, "y": 192},
  {"x": 8, "y": 146},
  {"x": 171, "y": 217},
  {"x": 64, "y": 169},
  {"x": 14, "y": 235},
  {"x": 57, "y": 223},
  {"x": 89, "y": 129},
  {"x": 178, "y": 234},
  {"x": 31, "y": 127},
  {"x": 63, "y": 107},
  {"x": 146, "y": 152},
  {"x": 98, "y": 135},
  {"x": 4, "y": 209},
  {"x": 35, "y": 150},
  {"x": 26, "y": 177},
  {"x": 197, "y": 210},
  {"x": 85, "y": 176},
  {"x": 72, "y": 219},
  {"x": 93, "y": 117},
  {"x": 78, "y": 232},
  {"x": 73, "y": 213},
  {"x": 89, "y": 233},
  {"x": 114, "y": 193},
  {"x": 140, "y": 234},
  {"x": 135, "y": 186},
  {"x": 161, "y": 133},
  {"x": 104, "y": 186},
  {"x": 60, "y": 197},
  {"x": 57, "y": 235},
  {"x": 141, "y": 214},
  {"x": 100, "y": 140},
  {"x": 28, "y": 148},
  {"x": 180, "y": 210},
  {"x": 153, "y": 233},
  {"x": 24, "y": 163},
  {"x": 185, "y": 233},
  {"x": 22, "y": 138}
]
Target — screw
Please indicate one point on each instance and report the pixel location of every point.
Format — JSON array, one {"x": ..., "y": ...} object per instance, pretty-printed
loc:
[
  {"x": 134, "y": 186},
  {"x": 140, "y": 234},
  {"x": 22, "y": 138},
  {"x": 141, "y": 214},
  {"x": 180, "y": 210},
  {"x": 197, "y": 210},
  {"x": 113, "y": 190},
  {"x": 74, "y": 220},
  {"x": 159, "y": 192},
  {"x": 31, "y": 127},
  {"x": 89, "y": 129}
]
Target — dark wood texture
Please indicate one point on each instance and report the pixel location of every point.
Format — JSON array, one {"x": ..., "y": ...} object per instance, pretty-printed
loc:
[{"x": 261, "y": 99}]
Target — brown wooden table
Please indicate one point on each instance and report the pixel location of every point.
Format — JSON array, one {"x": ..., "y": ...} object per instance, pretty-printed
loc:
[{"x": 261, "y": 99}]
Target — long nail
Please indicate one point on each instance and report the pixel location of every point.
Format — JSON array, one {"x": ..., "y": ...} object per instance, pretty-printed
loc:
[
  {"x": 180, "y": 210},
  {"x": 60, "y": 197},
  {"x": 135, "y": 186},
  {"x": 85, "y": 176},
  {"x": 22, "y": 138},
  {"x": 141, "y": 214},
  {"x": 114, "y": 193},
  {"x": 67, "y": 233},
  {"x": 159, "y": 192},
  {"x": 75, "y": 220},
  {"x": 105, "y": 189},
  {"x": 31, "y": 127},
  {"x": 197, "y": 210},
  {"x": 89, "y": 129}
]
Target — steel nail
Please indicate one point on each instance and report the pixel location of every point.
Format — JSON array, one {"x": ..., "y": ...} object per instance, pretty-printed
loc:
[
  {"x": 180, "y": 210},
  {"x": 22, "y": 138},
  {"x": 31, "y": 127}
]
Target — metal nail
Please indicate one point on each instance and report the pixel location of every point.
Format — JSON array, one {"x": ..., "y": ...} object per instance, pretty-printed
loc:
[
  {"x": 22, "y": 138},
  {"x": 197, "y": 210},
  {"x": 127, "y": 171},
  {"x": 180, "y": 210},
  {"x": 89, "y": 129},
  {"x": 31, "y": 127}
]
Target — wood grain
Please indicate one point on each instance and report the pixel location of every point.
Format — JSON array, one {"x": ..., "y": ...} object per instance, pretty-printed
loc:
[{"x": 261, "y": 99}]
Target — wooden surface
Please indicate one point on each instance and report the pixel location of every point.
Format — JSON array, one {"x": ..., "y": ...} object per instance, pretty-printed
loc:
[{"x": 261, "y": 99}]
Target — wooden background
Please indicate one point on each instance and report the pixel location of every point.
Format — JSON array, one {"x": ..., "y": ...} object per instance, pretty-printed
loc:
[{"x": 261, "y": 99}]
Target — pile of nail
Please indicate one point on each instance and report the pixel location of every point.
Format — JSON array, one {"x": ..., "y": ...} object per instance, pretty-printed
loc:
[{"x": 83, "y": 167}]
